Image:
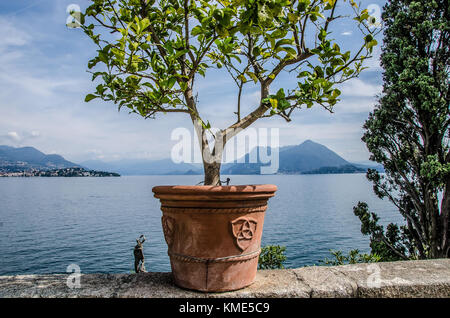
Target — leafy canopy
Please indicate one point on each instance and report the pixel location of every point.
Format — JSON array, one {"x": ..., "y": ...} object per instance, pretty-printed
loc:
[
  {"x": 153, "y": 51},
  {"x": 408, "y": 132}
]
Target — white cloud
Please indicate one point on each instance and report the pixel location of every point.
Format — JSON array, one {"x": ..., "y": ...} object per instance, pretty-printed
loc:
[
  {"x": 347, "y": 33},
  {"x": 32, "y": 84},
  {"x": 11, "y": 36},
  {"x": 12, "y": 39},
  {"x": 15, "y": 52},
  {"x": 374, "y": 63},
  {"x": 358, "y": 88},
  {"x": 14, "y": 136},
  {"x": 350, "y": 106}
]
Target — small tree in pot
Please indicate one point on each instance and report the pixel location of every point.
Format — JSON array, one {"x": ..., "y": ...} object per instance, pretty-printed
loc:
[{"x": 153, "y": 51}]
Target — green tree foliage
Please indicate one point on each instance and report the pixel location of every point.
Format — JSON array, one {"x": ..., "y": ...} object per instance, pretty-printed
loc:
[
  {"x": 272, "y": 257},
  {"x": 353, "y": 257},
  {"x": 408, "y": 132},
  {"x": 151, "y": 52}
]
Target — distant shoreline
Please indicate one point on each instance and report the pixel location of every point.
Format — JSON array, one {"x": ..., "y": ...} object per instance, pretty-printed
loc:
[{"x": 58, "y": 173}]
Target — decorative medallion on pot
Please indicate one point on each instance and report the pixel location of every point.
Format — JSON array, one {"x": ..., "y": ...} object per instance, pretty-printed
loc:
[
  {"x": 168, "y": 225},
  {"x": 243, "y": 230}
]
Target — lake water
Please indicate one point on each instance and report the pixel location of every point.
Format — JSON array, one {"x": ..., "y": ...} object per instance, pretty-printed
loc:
[{"x": 47, "y": 224}]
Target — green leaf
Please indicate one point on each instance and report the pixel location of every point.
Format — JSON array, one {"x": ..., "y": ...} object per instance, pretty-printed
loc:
[
  {"x": 283, "y": 104},
  {"x": 242, "y": 78},
  {"x": 278, "y": 34},
  {"x": 303, "y": 74},
  {"x": 89, "y": 97},
  {"x": 171, "y": 82},
  {"x": 180, "y": 53},
  {"x": 289, "y": 50},
  {"x": 197, "y": 30},
  {"x": 283, "y": 42},
  {"x": 368, "y": 38},
  {"x": 371, "y": 44},
  {"x": 144, "y": 24},
  {"x": 253, "y": 76},
  {"x": 303, "y": 5},
  {"x": 322, "y": 34},
  {"x": 280, "y": 94},
  {"x": 292, "y": 17}
]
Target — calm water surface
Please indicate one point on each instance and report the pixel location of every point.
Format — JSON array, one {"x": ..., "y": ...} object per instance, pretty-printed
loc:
[{"x": 47, "y": 224}]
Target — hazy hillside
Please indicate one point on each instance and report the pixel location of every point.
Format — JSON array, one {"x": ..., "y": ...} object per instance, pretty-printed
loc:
[
  {"x": 308, "y": 157},
  {"x": 30, "y": 158},
  {"x": 141, "y": 166}
]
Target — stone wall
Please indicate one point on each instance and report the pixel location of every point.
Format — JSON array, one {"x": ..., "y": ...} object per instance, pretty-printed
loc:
[{"x": 429, "y": 278}]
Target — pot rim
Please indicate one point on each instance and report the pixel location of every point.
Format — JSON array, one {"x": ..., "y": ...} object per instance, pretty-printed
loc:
[{"x": 202, "y": 189}]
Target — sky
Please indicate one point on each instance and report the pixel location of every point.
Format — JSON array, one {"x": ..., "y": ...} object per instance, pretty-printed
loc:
[{"x": 44, "y": 79}]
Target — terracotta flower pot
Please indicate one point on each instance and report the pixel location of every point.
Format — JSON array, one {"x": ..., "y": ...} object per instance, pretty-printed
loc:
[{"x": 213, "y": 233}]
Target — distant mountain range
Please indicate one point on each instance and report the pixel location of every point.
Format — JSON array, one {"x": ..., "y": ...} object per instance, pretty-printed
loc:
[
  {"x": 307, "y": 158},
  {"x": 26, "y": 158},
  {"x": 141, "y": 166}
]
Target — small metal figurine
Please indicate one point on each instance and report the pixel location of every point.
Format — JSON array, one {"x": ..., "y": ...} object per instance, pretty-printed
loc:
[{"x": 139, "y": 255}]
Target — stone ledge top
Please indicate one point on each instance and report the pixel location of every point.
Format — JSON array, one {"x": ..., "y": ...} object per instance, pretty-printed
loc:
[{"x": 428, "y": 278}]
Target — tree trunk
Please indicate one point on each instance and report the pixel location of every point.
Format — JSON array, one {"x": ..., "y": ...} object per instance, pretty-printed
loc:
[
  {"x": 212, "y": 161},
  {"x": 212, "y": 173},
  {"x": 445, "y": 220}
]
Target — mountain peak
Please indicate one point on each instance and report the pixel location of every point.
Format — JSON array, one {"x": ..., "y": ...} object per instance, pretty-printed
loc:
[
  {"x": 308, "y": 156},
  {"x": 26, "y": 158},
  {"x": 305, "y": 157},
  {"x": 309, "y": 142}
]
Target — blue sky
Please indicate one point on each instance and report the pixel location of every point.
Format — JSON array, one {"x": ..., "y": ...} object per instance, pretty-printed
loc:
[{"x": 43, "y": 82}]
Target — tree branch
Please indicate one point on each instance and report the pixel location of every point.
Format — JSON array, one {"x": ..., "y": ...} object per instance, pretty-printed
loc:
[
  {"x": 306, "y": 54},
  {"x": 385, "y": 241},
  {"x": 232, "y": 130},
  {"x": 186, "y": 29}
]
